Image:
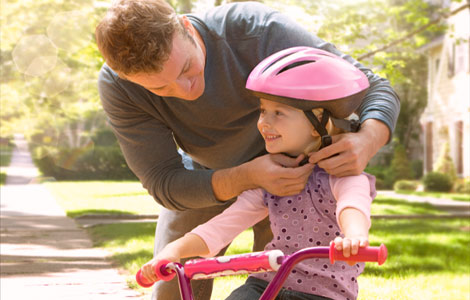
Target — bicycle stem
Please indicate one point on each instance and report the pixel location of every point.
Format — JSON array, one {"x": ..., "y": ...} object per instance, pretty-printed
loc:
[
  {"x": 183, "y": 281},
  {"x": 288, "y": 263}
]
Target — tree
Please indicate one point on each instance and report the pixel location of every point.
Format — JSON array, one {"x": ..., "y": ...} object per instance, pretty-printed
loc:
[
  {"x": 50, "y": 89},
  {"x": 400, "y": 166},
  {"x": 362, "y": 29},
  {"x": 49, "y": 70}
]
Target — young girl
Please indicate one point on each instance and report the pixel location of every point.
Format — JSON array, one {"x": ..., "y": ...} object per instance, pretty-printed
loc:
[{"x": 299, "y": 89}]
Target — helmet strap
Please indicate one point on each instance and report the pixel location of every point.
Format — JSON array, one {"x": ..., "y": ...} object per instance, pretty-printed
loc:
[
  {"x": 320, "y": 127},
  {"x": 346, "y": 125}
]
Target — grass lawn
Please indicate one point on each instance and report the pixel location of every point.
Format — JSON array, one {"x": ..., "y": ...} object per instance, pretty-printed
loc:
[
  {"x": 383, "y": 205},
  {"x": 428, "y": 258},
  {"x": 5, "y": 158},
  {"x": 98, "y": 197}
]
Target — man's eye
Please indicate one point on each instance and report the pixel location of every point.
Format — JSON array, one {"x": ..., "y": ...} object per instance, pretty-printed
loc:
[{"x": 278, "y": 113}]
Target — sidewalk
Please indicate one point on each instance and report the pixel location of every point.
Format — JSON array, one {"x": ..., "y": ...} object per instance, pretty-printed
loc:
[
  {"x": 44, "y": 254},
  {"x": 446, "y": 205}
]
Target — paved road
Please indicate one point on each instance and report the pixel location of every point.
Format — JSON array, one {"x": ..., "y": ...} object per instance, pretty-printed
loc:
[{"x": 44, "y": 254}]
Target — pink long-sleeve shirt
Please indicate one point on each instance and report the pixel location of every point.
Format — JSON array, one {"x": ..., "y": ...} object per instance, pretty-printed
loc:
[{"x": 249, "y": 209}]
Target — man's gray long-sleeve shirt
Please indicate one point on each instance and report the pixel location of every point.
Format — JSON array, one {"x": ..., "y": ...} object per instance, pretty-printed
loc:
[{"x": 218, "y": 130}]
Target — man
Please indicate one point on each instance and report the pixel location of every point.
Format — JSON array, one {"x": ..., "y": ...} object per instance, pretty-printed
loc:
[{"x": 179, "y": 81}]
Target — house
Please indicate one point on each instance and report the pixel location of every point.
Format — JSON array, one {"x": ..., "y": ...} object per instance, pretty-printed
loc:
[{"x": 446, "y": 118}]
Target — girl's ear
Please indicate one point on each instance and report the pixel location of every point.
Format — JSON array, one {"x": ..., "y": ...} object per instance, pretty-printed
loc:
[
  {"x": 314, "y": 132},
  {"x": 329, "y": 127}
]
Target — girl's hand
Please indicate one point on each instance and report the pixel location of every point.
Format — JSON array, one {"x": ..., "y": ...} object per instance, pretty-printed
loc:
[
  {"x": 148, "y": 269},
  {"x": 350, "y": 245}
]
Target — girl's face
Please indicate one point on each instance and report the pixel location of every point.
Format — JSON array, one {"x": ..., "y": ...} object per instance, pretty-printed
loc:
[{"x": 285, "y": 129}]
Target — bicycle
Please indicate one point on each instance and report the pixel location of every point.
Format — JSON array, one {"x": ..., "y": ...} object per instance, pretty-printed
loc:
[{"x": 265, "y": 261}]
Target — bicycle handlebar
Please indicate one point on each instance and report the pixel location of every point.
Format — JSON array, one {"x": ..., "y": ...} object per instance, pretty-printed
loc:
[
  {"x": 162, "y": 272},
  {"x": 366, "y": 254},
  {"x": 254, "y": 262}
]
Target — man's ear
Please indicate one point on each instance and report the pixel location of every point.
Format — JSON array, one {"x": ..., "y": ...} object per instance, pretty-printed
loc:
[{"x": 187, "y": 24}]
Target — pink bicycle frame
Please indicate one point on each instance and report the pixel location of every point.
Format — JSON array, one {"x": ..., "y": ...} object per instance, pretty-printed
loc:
[{"x": 265, "y": 261}]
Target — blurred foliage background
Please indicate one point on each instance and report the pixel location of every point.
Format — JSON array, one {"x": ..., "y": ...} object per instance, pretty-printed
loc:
[{"x": 50, "y": 62}]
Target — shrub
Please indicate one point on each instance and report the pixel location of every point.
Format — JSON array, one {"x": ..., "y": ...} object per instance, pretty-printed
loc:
[
  {"x": 104, "y": 137},
  {"x": 462, "y": 185},
  {"x": 405, "y": 185},
  {"x": 437, "y": 182},
  {"x": 383, "y": 177},
  {"x": 400, "y": 166},
  {"x": 98, "y": 163},
  {"x": 6, "y": 141},
  {"x": 417, "y": 168},
  {"x": 444, "y": 163}
]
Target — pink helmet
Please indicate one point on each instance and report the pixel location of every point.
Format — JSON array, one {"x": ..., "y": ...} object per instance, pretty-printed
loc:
[{"x": 308, "y": 78}]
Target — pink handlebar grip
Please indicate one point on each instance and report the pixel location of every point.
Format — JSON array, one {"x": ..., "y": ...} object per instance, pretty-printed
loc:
[
  {"x": 370, "y": 254},
  {"x": 142, "y": 281},
  {"x": 160, "y": 271}
]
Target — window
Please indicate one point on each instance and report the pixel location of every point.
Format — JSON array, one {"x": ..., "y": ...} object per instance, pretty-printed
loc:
[
  {"x": 461, "y": 52},
  {"x": 428, "y": 150},
  {"x": 459, "y": 145},
  {"x": 451, "y": 61}
]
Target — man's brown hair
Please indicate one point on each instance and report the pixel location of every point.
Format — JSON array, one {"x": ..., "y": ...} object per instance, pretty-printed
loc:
[{"x": 135, "y": 36}]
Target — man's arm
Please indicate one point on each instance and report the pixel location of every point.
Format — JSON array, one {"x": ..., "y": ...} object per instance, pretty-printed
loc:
[
  {"x": 378, "y": 114},
  {"x": 149, "y": 148},
  {"x": 355, "y": 149}
]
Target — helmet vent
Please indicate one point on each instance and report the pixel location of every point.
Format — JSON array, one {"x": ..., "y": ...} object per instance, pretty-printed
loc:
[
  {"x": 265, "y": 69},
  {"x": 295, "y": 64}
]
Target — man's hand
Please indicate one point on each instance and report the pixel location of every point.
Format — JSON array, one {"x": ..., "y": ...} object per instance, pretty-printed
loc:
[
  {"x": 276, "y": 173},
  {"x": 350, "y": 153},
  {"x": 279, "y": 174}
]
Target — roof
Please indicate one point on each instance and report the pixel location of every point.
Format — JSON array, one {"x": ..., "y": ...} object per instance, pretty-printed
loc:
[{"x": 432, "y": 44}]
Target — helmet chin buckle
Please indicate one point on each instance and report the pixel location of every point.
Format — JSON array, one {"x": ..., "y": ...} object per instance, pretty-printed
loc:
[
  {"x": 326, "y": 140},
  {"x": 347, "y": 125}
]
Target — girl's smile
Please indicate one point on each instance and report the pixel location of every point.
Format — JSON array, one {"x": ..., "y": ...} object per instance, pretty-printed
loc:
[{"x": 285, "y": 129}]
